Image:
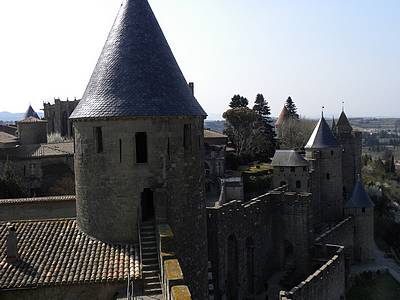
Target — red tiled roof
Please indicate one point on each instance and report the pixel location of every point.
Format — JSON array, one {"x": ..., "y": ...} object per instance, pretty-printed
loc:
[{"x": 56, "y": 252}]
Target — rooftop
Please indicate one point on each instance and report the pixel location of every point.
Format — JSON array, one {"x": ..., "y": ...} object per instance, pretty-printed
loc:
[
  {"x": 6, "y": 138},
  {"x": 343, "y": 123},
  {"x": 359, "y": 197},
  {"x": 37, "y": 200},
  {"x": 40, "y": 150},
  {"x": 136, "y": 74},
  {"x": 322, "y": 137},
  {"x": 212, "y": 134},
  {"x": 288, "y": 158},
  {"x": 30, "y": 113},
  {"x": 56, "y": 252}
]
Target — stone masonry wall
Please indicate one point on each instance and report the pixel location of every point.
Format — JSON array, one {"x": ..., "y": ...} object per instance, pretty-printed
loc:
[
  {"x": 328, "y": 282},
  {"x": 266, "y": 221}
]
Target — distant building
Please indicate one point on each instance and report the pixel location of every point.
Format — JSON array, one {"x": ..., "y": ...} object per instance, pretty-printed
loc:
[{"x": 57, "y": 116}]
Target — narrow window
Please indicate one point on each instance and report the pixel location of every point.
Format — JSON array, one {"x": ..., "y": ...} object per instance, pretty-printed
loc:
[
  {"x": 328, "y": 176},
  {"x": 298, "y": 184},
  {"x": 168, "y": 150},
  {"x": 331, "y": 153},
  {"x": 141, "y": 147},
  {"x": 292, "y": 169},
  {"x": 187, "y": 137},
  {"x": 305, "y": 169},
  {"x": 120, "y": 151},
  {"x": 24, "y": 170},
  {"x": 98, "y": 136},
  {"x": 363, "y": 210}
]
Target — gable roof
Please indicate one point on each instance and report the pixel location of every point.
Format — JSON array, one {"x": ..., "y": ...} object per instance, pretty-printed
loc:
[
  {"x": 56, "y": 252},
  {"x": 343, "y": 123},
  {"x": 359, "y": 198},
  {"x": 30, "y": 113},
  {"x": 322, "y": 137},
  {"x": 288, "y": 158},
  {"x": 137, "y": 74}
]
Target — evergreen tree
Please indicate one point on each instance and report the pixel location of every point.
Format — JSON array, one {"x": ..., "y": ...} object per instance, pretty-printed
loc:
[
  {"x": 265, "y": 144},
  {"x": 238, "y": 101},
  {"x": 291, "y": 107}
]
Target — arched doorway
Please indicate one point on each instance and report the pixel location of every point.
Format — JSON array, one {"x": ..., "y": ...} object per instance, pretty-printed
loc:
[
  {"x": 250, "y": 265},
  {"x": 147, "y": 205},
  {"x": 233, "y": 269}
]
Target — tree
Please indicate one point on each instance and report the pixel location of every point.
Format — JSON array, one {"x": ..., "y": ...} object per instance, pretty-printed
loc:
[
  {"x": 264, "y": 142},
  {"x": 10, "y": 184},
  {"x": 239, "y": 128},
  {"x": 238, "y": 101},
  {"x": 294, "y": 133},
  {"x": 291, "y": 107}
]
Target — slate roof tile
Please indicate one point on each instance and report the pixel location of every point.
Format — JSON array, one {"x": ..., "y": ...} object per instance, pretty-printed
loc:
[
  {"x": 136, "y": 74},
  {"x": 288, "y": 158},
  {"x": 322, "y": 136},
  {"x": 56, "y": 252}
]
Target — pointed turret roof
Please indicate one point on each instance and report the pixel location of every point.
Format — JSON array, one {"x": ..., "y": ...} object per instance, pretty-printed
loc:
[
  {"x": 322, "y": 136},
  {"x": 343, "y": 123},
  {"x": 137, "y": 74},
  {"x": 359, "y": 198},
  {"x": 282, "y": 116},
  {"x": 30, "y": 113}
]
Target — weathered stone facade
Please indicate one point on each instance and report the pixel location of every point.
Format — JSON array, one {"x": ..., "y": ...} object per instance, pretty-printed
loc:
[{"x": 57, "y": 115}]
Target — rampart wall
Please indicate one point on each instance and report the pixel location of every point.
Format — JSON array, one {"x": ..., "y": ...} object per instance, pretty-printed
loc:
[
  {"x": 37, "y": 208},
  {"x": 327, "y": 282}
]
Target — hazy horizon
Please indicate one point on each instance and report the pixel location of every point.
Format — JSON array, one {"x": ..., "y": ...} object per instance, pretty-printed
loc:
[{"x": 317, "y": 52}]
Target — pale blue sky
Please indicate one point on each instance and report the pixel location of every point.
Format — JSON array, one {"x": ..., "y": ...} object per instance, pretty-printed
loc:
[{"x": 319, "y": 52}]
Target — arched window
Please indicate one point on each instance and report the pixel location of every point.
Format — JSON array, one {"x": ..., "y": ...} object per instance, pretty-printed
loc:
[
  {"x": 233, "y": 268},
  {"x": 250, "y": 265}
]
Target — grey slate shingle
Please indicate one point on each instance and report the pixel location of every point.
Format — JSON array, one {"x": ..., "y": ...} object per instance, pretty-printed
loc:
[
  {"x": 137, "y": 74},
  {"x": 359, "y": 197},
  {"x": 322, "y": 137},
  {"x": 288, "y": 158}
]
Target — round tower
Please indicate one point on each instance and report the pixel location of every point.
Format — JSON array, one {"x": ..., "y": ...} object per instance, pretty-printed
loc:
[
  {"x": 32, "y": 130},
  {"x": 139, "y": 144},
  {"x": 325, "y": 157},
  {"x": 361, "y": 208}
]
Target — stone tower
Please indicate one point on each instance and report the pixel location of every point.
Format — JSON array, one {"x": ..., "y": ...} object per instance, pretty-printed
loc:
[
  {"x": 290, "y": 168},
  {"x": 351, "y": 158},
  {"x": 325, "y": 156},
  {"x": 361, "y": 208},
  {"x": 32, "y": 130},
  {"x": 139, "y": 144}
]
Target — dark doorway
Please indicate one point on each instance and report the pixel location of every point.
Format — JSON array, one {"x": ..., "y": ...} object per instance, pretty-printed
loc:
[{"x": 147, "y": 205}]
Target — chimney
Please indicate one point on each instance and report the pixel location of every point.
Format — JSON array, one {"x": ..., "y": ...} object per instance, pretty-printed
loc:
[
  {"x": 191, "y": 85},
  {"x": 11, "y": 244}
]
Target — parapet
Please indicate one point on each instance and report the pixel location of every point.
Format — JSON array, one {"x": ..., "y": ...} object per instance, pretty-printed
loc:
[{"x": 325, "y": 283}]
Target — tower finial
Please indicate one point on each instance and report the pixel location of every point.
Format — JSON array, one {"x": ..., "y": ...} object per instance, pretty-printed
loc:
[
  {"x": 322, "y": 111},
  {"x": 342, "y": 106}
]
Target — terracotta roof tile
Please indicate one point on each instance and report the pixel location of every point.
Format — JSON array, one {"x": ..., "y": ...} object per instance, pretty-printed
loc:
[{"x": 56, "y": 252}]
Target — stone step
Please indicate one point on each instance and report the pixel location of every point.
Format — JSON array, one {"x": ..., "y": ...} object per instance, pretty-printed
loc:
[
  {"x": 147, "y": 273},
  {"x": 150, "y": 260},
  {"x": 151, "y": 292},
  {"x": 149, "y": 238},
  {"x": 149, "y": 249}
]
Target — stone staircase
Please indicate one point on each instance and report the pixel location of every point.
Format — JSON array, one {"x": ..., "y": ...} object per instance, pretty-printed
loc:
[{"x": 151, "y": 267}]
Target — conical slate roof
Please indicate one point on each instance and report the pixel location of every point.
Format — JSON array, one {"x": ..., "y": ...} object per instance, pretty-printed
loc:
[
  {"x": 343, "y": 123},
  {"x": 359, "y": 198},
  {"x": 136, "y": 74},
  {"x": 288, "y": 158},
  {"x": 282, "y": 116},
  {"x": 30, "y": 113},
  {"x": 322, "y": 136}
]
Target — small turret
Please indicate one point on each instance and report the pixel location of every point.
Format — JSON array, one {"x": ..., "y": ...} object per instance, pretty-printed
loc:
[
  {"x": 361, "y": 208},
  {"x": 11, "y": 244}
]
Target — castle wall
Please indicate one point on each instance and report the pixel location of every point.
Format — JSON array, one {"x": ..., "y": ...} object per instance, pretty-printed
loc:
[
  {"x": 327, "y": 184},
  {"x": 119, "y": 182},
  {"x": 31, "y": 133},
  {"x": 327, "y": 283},
  {"x": 297, "y": 178},
  {"x": 363, "y": 233},
  {"x": 268, "y": 221},
  {"x": 37, "y": 208}
]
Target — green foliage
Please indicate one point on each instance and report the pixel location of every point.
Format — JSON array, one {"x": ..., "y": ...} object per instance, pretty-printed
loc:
[
  {"x": 374, "y": 287},
  {"x": 10, "y": 184},
  {"x": 240, "y": 125},
  {"x": 291, "y": 107},
  {"x": 238, "y": 101}
]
